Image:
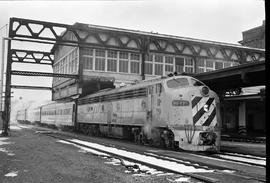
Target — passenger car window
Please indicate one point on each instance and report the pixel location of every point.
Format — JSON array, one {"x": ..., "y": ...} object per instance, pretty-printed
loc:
[
  {"x": 177, "y": 82},
  {"x": 196, "y": 83}
]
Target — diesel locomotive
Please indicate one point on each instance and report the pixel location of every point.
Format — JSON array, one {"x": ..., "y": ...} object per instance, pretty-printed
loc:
[{"x": 178, "y": 111}]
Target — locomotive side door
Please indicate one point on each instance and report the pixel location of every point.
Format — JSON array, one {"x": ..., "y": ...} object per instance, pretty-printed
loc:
[
  {"x": 109, "y": 107},
  {"x": 156, "y": 104},
  {"x": 150, "y": 107}
]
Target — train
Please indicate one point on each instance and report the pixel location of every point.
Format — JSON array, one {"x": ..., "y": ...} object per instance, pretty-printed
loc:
[{"x": 173, "y": 112}]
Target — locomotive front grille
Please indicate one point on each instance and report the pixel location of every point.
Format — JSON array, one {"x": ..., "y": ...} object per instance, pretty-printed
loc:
[{"x": 203, "y": 111}]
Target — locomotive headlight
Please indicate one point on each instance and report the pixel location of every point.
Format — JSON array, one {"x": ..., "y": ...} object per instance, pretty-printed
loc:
[
  {"x": 206, "y": 108},
  {"x": 205, "y": 91}
]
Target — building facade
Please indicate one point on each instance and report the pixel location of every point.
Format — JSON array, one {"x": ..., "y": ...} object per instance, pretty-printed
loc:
[
  {"x": 107, "y": 57},
  {"x": 254, "y": 37},
  {"x": 108, "y": 54}
]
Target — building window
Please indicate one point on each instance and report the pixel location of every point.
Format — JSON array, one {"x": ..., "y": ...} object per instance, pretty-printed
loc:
[
  {"x": 112, "y": 65},
  {"x": 112, "y": 54},
  {"x": 235, "y": 64},
  {"x": 168, "y": 68},
  {"x": 123, "y": 62},
  {"x": 179, "y": 64},
  {"x": 148, "y": 69},
  {"x": 100, "y": 53},
  {"x": 135, "y": 67},
  {"x": 189, "y": 65},
  {"x": 168, "y": 64},
  {"x": 87, "y": 63},
  {"x": 200, "y": 70},
  {"x": 219, "y": 65},
  {"x": 158, "y": 65},
  {"x": 100, "y": 64},
  {"x": 159, "y": 69},
  {"x": 123, "y": 66},
  {"x": 227, "y": 64},
  {"x": 112, "y": 61},
  {"x": 100, "y": 60},
  {"x": 135, "y": 56},
  {"x": 87, "y": 52},
  {"x": 209, "y": 63},
  {"x": 123, "y": 55},
  {"x": 159, "y": 58},
  {"x": 87, "y": 58},
  {"x": 149, "y": 57},
  {"x": 135, "y": 63},
  {"x": 169, "y": 60}
]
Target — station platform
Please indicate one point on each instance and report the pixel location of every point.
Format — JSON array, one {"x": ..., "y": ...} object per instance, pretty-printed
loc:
[
  {"x": 256, "y": 149},
  {"x": 236, "y": 137}
]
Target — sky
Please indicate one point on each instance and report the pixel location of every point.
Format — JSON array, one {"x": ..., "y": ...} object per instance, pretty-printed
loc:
[{"x": 215, "y": 20}]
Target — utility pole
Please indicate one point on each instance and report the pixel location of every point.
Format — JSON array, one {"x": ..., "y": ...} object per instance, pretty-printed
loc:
[
  {"x": 2, "y": 65},
  {"x": 8, "y": 87},
  {"x": 2, "y": 72}
]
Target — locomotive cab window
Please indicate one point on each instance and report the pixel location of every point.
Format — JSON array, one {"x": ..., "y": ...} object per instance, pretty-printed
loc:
[
  {"x": 177, "y": 82},
  {"x": 196, "y": 83}
]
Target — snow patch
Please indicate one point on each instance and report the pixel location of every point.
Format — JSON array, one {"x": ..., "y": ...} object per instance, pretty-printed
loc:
[
  {"x": 228, "y": 171},
  {"x": 6, "y": 151},
  {"x": 2, "y": 139},
  {"x": 3, "y": 150},
  {"x": 165, "y": 174},
  {"x": 140, "y": 169},
  {"x": 12, "y": 174},
  {"x": 182, "y": 179},
  {"x": 174, "y": 166},
  {"x": 24, "y": 126},
  {"x": 15, "y": 128},
  {"x": 84, "y": 149}
]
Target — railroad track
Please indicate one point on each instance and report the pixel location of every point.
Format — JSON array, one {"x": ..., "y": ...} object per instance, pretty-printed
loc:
[
  {"x": 242, "y": 158},
  {"x": 235, "y": 157},
  {"x": 140, "y": 161},
  {"x": 208, "y": 177},
  {"x": 205, "y": 178}
]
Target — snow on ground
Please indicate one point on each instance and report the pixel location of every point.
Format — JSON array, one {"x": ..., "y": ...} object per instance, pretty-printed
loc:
[
  {"x": 170, "y": 165},
  {"x": 12, "y": 127},
  {"x": 12, "y": 174},
  {"x": 9, "y": 153},
  {"x": 135, "y": 168},
  {"x": 85, "y": 149},
  {"x": 182, "y": 179},
  {"x": 3, "y": 149},
  {"x": 228, "y": 171},
  {"x": 19, "y": 127},
  {"x": 2, "y": 139},
  {"x": 26, "y": 126}
]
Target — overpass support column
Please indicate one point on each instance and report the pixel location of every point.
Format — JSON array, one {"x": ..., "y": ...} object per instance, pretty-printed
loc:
[{"x": 242, "y": 118}]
